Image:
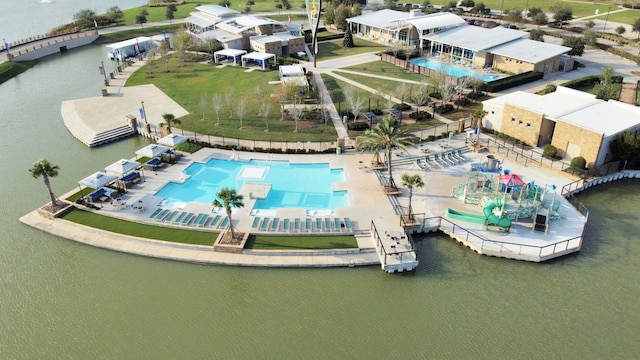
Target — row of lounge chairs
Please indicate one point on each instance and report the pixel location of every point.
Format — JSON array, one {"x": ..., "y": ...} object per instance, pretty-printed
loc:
[
  {"x": 435, "y": 161},
  {"x": 307, "y": 225},
  {"x": 185, "y": 218},
  {"x": 154, "y": 164}
]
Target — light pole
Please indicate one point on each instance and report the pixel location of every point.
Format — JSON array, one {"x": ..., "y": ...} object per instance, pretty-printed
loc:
[
  {"x": 606, "y": 19},
  {"x": 143, "y": 115},
  {"x": 104, "y": 72}
]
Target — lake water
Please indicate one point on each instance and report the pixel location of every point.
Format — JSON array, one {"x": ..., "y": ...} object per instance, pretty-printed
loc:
[{"x": 60, "y": 299}]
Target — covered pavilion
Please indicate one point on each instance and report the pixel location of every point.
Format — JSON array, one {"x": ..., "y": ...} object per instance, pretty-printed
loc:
[
  {"x": 234, "y": 54},
  {"x": 261, "y": 59}
]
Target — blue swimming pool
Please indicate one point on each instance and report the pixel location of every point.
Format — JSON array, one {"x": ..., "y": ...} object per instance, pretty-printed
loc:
[
  {"x": 453, "y": 70},
  {"x": 306, "y": 186}
]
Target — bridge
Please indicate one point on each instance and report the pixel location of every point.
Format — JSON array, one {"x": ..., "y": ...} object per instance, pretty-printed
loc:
[{"x": 40, "y": 46}]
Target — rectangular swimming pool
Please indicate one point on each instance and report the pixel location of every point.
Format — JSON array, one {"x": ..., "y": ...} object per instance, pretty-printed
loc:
[
  {"x": 308, "y": 186},
  {"x": 454, "y": 71}
]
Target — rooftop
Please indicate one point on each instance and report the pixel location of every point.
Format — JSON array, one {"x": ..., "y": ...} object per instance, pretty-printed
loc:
[
  {"x": 529, "y": 50},
  {"x": 476, "y": 38}
]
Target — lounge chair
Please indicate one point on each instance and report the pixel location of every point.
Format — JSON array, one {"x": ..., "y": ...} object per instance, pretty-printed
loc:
[
  {"x": 274, "y": 224},
  {"x": 336, "y": 224},
  {"x": 187, "y": 219},
  {"x": 296, "y": 225},
  {"x": 155, "y": 213},
  {"x": 318, "y": 224},
  {"x": 256, "y": 222},
  {"x": 171, "y": 216},
  {"x": 347, "y": 224},
  {"x": 265, "y": 224},
  {"x": 203, "y": 220},
  {"x": 327, "y": 224},
  {"x": 180, "y": 218},
  {"x": 224, "y": 223},
  {"x": 307, "y": 224},
  {"x": 162, "y": 215},
  {"x": 286, "y": 225},
  {"x": 214, "y": 221}
]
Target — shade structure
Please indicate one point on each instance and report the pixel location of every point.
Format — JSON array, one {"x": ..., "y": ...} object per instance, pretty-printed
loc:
[
  {"x": 152, "y": 150},
  {"x": 511, "y": 180},
  {"x": 121, "y": 167},
  {"x": 97, "y": 180},
  {"x": 172, "y": 140}
]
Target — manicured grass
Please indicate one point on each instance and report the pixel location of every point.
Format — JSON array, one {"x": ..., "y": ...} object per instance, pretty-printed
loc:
[
  {"x": 84, "y": 192},
  {"x": 187, "y": 82},
  {"x": 626, "y": 17},
  {"x": 264, "y": 242},
  {"x": 141, "y": 230},
  {"x": 130, "y": 34},
  {"x": 334, "y": 49},
  {"x": 579, "y": 9},
  {"x": 384, "y": 86},
  {"x": 10, "y": 69},
  {"x": 385, "y": 69},
  {"x": 159, "y": 13}
]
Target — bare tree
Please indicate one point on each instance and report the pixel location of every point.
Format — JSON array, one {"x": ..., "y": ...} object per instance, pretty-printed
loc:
[
  {"x": 216, "y": 105},
  {"x": 203, "y": 105},
  {"x": 265, "y": 110},
  {"x": 181, "y": 42},
  {"x": 297, "y": 114},
  {"x": 354, "y": 102},
  {"x": 421, "y": 96},
  {"x": 228, "y": 98},
  {"x": 241, "y": 111},
  {"x": 151, "y": 61},
  {"x": 402, "y": 89},
  {"x": 164, "y": 52},
  {"x": 446, "y": 91}
]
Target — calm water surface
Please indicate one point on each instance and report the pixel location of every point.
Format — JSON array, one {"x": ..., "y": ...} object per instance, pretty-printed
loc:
[{"x": 59, "y": 299}]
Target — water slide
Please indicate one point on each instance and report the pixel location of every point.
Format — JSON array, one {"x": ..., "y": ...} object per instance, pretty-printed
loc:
[
  {"x": 494, "y": 219},
  {"x": 487, "y": 218}
]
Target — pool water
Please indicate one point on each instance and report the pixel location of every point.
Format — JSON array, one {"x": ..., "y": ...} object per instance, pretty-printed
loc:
[
  {"x": 307, "y": 186},
  {"x": 454, "y": 71}
]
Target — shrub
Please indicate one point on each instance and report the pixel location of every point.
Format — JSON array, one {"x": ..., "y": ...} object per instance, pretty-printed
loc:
[
  {"x": 549, "y": 151},
  {"x": 377, "y": 111},
  {"x": 402, "y": 107},
  {"x": 423, "y": 116},
  {"x": 444, "y": 108},
  {"x": 579, "y": 162},
  {"x": 358, "y": 126}
]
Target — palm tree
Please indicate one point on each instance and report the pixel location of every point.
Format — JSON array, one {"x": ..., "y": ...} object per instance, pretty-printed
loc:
[
  {"x": 411, "y": 182},
  {"x": 169, "y": 119},
  {"x": 386, "y": 136},
  {"x": 46, "y": 170},
  {"x": 229, "y": 198}
]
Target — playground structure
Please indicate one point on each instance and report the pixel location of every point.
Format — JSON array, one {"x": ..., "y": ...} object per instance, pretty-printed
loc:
[{"x": 505, "y": 199}]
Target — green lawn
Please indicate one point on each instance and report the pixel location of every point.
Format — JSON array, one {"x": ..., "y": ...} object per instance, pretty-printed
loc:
[
  {"x": 265, "y": 242},
  {"x": 9, "y": 69},
  {"x": 141, "y": 230},
  {"x": 626, "y": 17},
  {"x": 383, "y": 85},
  {"x": 334, "y": 49},
  {"x": 382, "y": 68},
  {"x": 579, "y": 8},
  {"x": 186, "y": 83}
]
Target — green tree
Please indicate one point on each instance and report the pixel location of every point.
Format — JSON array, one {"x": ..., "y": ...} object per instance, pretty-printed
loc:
[
  {"x": 575, "y": 43},
  {"x": 168, "y": 120},
  {"x": 636, "y": 27},
  {"x": 514, "y": 16},
  {"x": 170, "y": 12},
  {"x": 387, "y": 135},
  {"x": 46, "y": 170},
  {"x": 534, "y": 11},
  {"x": 620, "y": 30},
  {"x": 478, "y": 8},
  {"x": 540, "y": 19},
  {"x": 468, "y": 3},
  {"x": 390, "y": 4},
  {"x": 590, "y": 24},
  {"x": 348, "y": 39},
  {"x": 341, "y": 15},
  {"x": 590, "y": 37},
  {"x": 606, "y": 89},
  {"x": 141, "y": 18},
  {"x": 537, "y": 35},
  {"x": 114, "y": 14},
  {"x": 626, "y": 147},
  {"x": 85, "y": 17},
  {"x": 229, "y": 198},
  {"x": 411, "y": 182},
  {"x": 181, "y": 42},
  {"x": 562, "y": 14}
]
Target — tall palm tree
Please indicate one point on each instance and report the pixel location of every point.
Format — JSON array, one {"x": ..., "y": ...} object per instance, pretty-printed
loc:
[
  {"x": 46, "y": 170},
  {"x": 229, "y": 198},
  {"x": 387, "y": 135},
  {"x": 411, "y": 182},
  {"x": 169, "y": 119}
]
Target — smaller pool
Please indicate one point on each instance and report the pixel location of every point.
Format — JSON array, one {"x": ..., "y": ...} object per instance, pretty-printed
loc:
[{"x": 453, "y": 70}]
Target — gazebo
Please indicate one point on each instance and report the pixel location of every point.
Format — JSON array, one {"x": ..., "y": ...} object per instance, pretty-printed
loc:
[
  {"x": 152, "y": 150},
  {"x": 95, "y": 181},
  {"x": 228, "y": 53},
  {"x": 125, "y": 169},
  {"x": 258, "y": 57},
  {"x": 172, "y": 140}
]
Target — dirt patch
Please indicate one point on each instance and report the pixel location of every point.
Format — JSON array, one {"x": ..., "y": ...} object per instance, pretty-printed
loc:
[{"x": 628, "y": 94}]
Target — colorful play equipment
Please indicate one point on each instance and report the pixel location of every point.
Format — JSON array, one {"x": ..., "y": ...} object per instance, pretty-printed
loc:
[{"x": 506, "y": 198}]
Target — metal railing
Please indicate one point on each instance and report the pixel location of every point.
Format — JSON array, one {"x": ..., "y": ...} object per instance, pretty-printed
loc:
[
  {"x": 383, "y": 252},
  {"x": 505, "y": 247}
]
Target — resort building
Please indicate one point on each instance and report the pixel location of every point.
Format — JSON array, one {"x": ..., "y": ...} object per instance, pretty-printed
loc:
[
  {"x": 235, "y": 31},
  {"x": 446, "y": 37},
  {"x": 575, "y": 122}
]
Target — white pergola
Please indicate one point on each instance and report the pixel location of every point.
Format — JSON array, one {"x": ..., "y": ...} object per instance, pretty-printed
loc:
[
  {"x": 152, "y": 150},
  {"x": 228, "y": 53},
  {"x": 172, "y": 140},
  {"x": 258, "y": 56}
]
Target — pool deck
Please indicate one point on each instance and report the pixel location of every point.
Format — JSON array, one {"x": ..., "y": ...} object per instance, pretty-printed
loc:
[{"x": 367, "y": 203}]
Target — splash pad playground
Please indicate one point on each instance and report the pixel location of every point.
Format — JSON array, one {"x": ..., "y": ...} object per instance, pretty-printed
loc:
[{"x": 506, "y": 199}]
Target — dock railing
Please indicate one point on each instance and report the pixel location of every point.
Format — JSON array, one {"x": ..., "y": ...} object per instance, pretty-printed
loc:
[
  {"x": 504, "y": 247},
  {"x": 383, "y": 253}
]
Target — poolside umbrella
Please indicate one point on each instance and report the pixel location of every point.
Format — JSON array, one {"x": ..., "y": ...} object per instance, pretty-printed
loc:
[
  {"x": 172, "y": 140},
  {"x": 95, "y": 181},
  {"x": 152, "y": 150}
]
